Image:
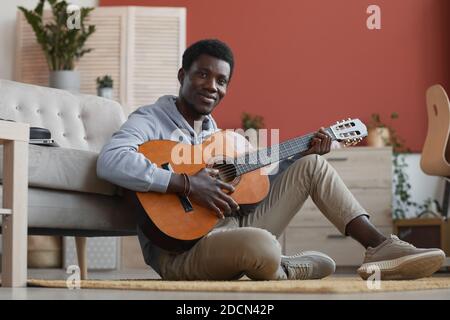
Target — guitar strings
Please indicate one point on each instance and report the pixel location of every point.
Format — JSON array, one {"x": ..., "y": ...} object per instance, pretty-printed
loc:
[
  {"x": 235, "y": 167},
  {"x": 228, "y": 173},
  {"x": 288, "y": 148}
]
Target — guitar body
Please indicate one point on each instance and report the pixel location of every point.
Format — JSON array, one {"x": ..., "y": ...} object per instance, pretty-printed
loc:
[{"x": 169, "y": 225}]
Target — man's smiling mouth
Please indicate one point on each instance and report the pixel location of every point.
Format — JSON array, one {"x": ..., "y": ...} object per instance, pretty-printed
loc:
[{"x": 207, "y": 98}]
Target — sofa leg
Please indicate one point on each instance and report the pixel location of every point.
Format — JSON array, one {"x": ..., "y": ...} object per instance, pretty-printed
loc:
[{"x": 80, "y": 243}]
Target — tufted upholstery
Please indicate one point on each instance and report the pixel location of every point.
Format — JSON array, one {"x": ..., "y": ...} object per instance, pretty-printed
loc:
[
  {"x": 81, "y": 122},
  {"x": 65, "y": 195}
]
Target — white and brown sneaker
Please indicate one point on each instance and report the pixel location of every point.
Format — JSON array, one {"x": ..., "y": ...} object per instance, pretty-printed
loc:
[{"x": 400, "y": 260}]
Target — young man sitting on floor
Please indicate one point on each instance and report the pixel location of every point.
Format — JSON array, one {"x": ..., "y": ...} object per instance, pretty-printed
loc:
[{"x": 245, "y": 244}]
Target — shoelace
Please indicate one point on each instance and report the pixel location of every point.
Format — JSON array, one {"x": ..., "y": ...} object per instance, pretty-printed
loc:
[
  {"x": 403, "y": 242},
  {"x": 396, "y": 240},
  {"x": 299, "y": 271},
  {"x": 300, "y": 254},
  {"x": 294, "y": 256}
]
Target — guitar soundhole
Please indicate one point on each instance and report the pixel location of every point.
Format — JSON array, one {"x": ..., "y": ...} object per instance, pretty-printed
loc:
[{"x": 227, "y": 171}]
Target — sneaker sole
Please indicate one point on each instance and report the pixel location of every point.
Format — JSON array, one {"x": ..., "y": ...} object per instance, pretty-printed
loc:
[{"x": 405, "y": 268}]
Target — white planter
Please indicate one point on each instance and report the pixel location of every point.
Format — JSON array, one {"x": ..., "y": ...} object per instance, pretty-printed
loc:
[
  {"x": 378, "y": 137},
  {"x": 65, "y": 79},
  {"x": 105, "y": 92}
]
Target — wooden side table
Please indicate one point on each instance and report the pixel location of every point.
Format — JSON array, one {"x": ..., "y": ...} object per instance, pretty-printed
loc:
[
  {"x": 425, "y": 232},
  {"x": 14, "y": 136}
]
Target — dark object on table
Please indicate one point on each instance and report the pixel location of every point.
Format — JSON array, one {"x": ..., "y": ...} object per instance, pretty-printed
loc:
[{"x": 39, "y": 136}]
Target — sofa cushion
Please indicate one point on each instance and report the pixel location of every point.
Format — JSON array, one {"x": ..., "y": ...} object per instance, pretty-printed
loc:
[
  {"x": 94, "y": 214},
  {"x": 64, "y": 169}
]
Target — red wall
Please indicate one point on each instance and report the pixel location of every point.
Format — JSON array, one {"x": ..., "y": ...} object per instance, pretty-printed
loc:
[{"x": 303, "y": 64}]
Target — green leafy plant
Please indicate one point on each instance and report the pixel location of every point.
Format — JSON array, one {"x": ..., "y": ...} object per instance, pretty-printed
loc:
[
  {"x": 251, "y": 121},
  {"x": 62, "y": 46},
  {"x": 104, "y": 82},
  {"x": 375, "y": 120},
  {"x": 402, "y": 187}
]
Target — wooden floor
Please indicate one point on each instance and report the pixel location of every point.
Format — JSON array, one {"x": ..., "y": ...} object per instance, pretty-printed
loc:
[{"x": 63, "y": 294}]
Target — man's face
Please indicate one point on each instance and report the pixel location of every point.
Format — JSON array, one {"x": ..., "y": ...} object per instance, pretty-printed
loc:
[{"x": 204, "y": 85}]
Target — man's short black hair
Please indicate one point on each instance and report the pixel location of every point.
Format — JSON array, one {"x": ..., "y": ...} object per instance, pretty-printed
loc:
[{"x": 211, "y": 47}]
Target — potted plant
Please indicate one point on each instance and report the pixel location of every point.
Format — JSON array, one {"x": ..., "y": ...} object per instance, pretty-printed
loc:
[
  {"x": 378, "y": 133},
  {"x": 252, "y": 122},
  {"x": 63, "y": 44},
  {"x": 382, "y": 135},
  {"x": 250, "y": 125},
  {"x": 105, "y": 87}
]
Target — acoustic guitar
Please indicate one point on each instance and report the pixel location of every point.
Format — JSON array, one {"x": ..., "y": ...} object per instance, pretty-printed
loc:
[{"x": 173, "y": 222}]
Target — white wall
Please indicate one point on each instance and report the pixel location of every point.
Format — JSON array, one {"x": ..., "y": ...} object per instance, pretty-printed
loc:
[{"x": 8, "y": 11}]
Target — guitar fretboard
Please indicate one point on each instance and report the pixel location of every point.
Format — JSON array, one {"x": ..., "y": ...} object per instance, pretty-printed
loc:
[{"x": 261, "y": 158}]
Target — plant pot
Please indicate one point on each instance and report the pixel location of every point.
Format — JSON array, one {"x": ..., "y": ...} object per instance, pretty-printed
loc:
[
  {"x": 105, "y": 92},
  {"x": 44, "y": 252},
  {"x": 65, "y": 79},
  {"x": 378, "y": 137}
]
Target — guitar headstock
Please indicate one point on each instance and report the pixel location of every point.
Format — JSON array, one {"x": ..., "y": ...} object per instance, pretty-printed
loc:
[{"x": 350, "y": 131}]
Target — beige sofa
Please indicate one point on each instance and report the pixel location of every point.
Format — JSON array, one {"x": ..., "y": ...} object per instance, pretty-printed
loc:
[{"x": 65, "y": 196}]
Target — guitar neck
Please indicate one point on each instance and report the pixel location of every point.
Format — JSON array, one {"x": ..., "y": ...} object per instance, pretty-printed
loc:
[{"x": 257, "y": 159}]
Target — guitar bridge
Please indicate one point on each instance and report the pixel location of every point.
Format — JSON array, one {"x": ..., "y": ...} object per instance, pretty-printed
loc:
[{"x": 185, "y": 202}]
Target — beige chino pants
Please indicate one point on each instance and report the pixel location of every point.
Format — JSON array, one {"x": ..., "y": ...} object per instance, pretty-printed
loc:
[{"x": 248, "y": 245}]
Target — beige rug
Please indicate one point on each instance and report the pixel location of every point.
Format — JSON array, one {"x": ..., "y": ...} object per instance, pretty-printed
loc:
[{"x": 329, "y": 285}]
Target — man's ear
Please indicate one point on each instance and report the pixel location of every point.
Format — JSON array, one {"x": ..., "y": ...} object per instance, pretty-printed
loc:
[{"x": 181, "y": 75}]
